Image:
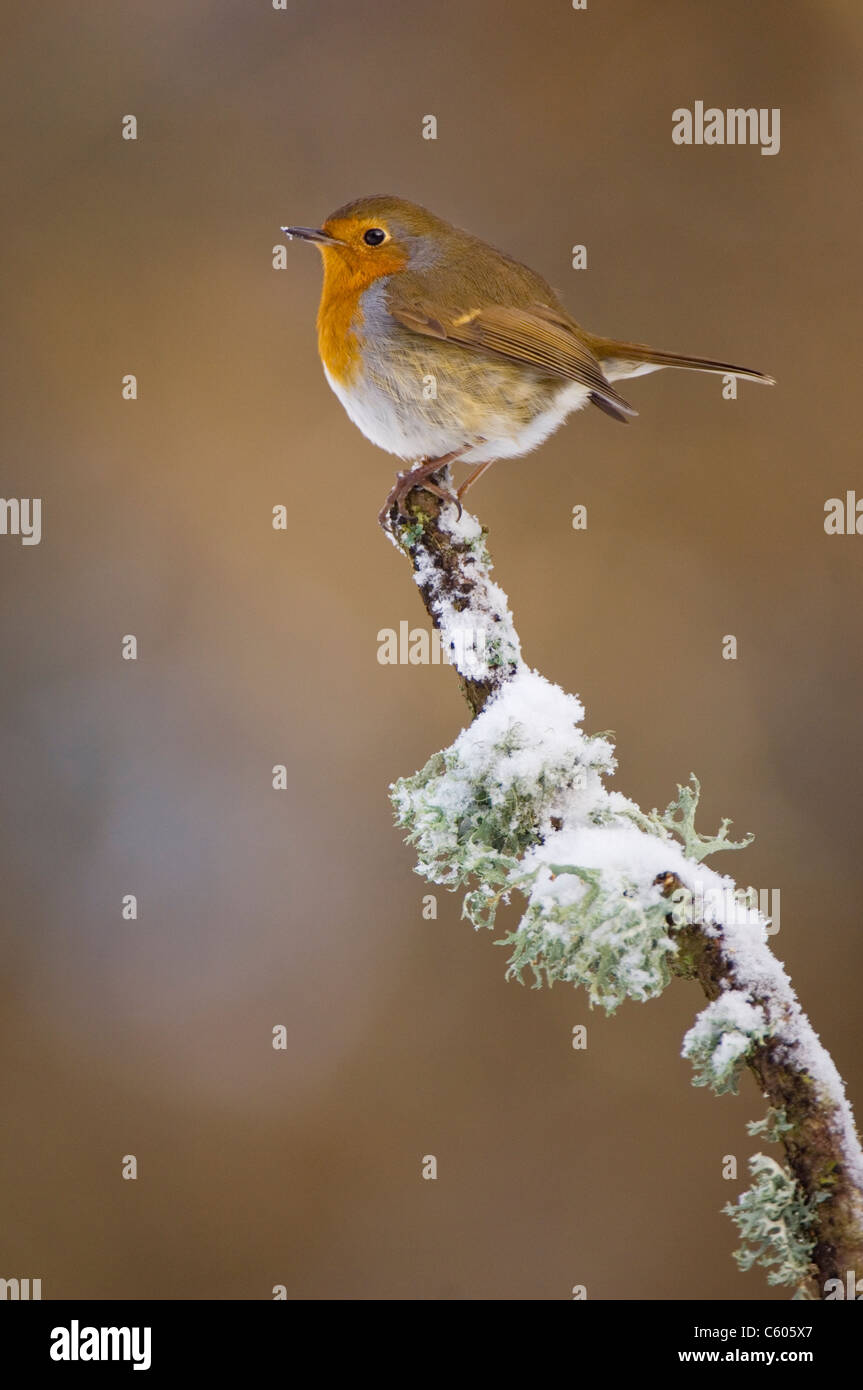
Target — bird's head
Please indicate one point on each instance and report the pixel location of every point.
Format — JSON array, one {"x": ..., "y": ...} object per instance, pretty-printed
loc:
[{"x": 377, "y": 236}]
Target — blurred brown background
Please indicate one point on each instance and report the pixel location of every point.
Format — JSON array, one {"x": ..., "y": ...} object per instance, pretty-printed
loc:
[{"x": 302, "y": 1167}]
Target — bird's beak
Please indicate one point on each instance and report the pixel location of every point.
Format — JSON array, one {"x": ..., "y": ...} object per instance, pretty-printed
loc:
[{"x": 312, "y": 234}]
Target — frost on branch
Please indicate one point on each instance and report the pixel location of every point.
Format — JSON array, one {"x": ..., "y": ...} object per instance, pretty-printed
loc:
[
  {"x": 592, "y": 929},
  {"x": 617, "y": 901},
  {"x": 721, "y": 1038},
  {"x": 519, "y": 803}
]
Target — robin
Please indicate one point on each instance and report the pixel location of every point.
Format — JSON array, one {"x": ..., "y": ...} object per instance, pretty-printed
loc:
[{"x": 441, "y": 348}]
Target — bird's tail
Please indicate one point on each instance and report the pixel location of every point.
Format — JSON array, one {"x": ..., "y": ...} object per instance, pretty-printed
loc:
[{"x": 636, "y": 359}]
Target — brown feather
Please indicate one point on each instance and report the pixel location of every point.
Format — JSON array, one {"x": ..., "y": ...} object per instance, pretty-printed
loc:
[
  {"x": 619, "y": 358},
  {"x": 539, "y": 337}
]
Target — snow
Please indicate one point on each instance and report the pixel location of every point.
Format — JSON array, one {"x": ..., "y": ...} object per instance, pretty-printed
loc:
[
  {"x": 478, "y": 619},
  {"x": 732, "y": 1019},
  {"x": 528, "y": 743},
  {"x": 542, "y": 721},
  {"x": 464, "y": 528}
]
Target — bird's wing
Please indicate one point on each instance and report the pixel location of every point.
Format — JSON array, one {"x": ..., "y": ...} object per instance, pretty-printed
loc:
[{"x": 537, "y": 337}]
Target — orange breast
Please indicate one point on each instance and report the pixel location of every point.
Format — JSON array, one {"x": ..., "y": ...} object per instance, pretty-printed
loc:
[
  {"x": 340, "y": 318},
  {"x": 348, "y": 272}
]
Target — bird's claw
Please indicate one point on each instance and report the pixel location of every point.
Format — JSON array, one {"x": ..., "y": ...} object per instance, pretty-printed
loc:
[{"x": 419, "y": 476}]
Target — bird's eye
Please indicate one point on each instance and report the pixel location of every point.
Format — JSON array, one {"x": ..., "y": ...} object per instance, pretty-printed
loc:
[{"x": 374, "y": 236}]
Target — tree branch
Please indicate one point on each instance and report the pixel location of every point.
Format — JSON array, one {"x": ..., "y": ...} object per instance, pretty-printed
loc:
[{"x": 600, "y": 876}]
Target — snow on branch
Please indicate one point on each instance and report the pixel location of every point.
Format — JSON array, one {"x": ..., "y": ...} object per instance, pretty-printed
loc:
[{"x": 618, "y": 902}]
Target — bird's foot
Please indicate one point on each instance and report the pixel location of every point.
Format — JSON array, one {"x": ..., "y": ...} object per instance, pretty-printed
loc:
[
  {"x": 420, "y": 474},
  {"x": 471, "y": 479}
]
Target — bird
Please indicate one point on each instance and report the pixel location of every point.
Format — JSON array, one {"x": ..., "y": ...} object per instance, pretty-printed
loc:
[{"x": 442, "y": 348}]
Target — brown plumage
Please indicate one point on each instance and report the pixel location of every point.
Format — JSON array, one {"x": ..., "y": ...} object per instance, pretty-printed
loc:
[{"x": 409, "y": 299}]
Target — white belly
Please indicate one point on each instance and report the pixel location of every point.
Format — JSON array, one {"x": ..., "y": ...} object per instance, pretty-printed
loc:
[{"x": 426, "y": 429}]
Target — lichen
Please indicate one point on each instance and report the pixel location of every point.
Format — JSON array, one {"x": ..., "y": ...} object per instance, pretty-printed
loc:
[
  {"x": 602, "y": 938},
  {"x": 774, "y": 1219},
  {"x": 772, "y": 1127},
  {"x": 518, "y": 806},
  {"x": 518, "y": 803},
  {"x": 678, "y": 819},
  {"x": 720, "y": 1040}
]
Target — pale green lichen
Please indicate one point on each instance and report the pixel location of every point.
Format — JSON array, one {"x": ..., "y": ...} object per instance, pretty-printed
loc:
[
  {"x": 489, "y": 812},
  {"x": 410, "y": 533},
  {"x": 678, "y": 819},
  {"x": 605, "y": 940},
  {"x": 518, "y": 804},
  {"x": 474, "y": 822},
  {"x": 772, "y": 1127},
  {"x": 774, "y": 1220},
  {"x": 722, "y": 1037}
]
